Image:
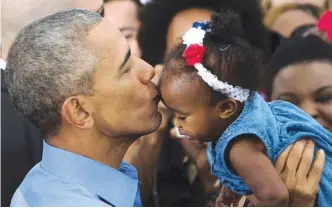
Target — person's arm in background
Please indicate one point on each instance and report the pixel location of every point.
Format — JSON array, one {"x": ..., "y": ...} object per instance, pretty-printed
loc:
[{"x": 143, "y": 154}]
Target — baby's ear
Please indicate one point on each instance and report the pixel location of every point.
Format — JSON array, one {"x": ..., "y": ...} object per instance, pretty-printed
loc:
[{"x": 227, "y": 108}]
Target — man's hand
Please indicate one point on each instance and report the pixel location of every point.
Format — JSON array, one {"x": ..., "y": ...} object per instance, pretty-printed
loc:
[{"x": 300, "y": 175}]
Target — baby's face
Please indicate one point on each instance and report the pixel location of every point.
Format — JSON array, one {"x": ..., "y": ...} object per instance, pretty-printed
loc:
[{"x": 194, "y": 114}]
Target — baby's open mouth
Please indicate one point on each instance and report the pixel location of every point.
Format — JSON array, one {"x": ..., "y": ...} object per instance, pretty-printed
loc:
[{"x": 181, "y": 136}]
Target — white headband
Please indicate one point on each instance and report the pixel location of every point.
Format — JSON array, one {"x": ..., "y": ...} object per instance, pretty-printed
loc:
[{"x": 194, "y": 54}]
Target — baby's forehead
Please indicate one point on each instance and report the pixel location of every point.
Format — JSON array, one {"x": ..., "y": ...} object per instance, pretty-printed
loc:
[
  {"x": 174, "y": 87},
  {"x": 178, "y": 80}
]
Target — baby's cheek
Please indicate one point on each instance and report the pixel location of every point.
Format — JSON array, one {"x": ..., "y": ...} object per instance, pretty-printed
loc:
[{"x": 199, "y": 126}]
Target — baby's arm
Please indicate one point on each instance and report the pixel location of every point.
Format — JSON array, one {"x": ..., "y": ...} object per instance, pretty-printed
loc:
[{"x": 248, "y": 159}]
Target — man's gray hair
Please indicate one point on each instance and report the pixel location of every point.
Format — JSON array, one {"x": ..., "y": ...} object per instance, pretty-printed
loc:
[{"x": 48, "y": 62}]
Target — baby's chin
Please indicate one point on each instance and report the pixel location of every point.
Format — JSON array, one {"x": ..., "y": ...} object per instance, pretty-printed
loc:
[{"x": 207, "y": 139}]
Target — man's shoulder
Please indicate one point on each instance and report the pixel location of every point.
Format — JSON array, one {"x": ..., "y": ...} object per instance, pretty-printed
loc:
[
  {"x": 41, "y": 188},
  {"x": 56, "y": 199}
]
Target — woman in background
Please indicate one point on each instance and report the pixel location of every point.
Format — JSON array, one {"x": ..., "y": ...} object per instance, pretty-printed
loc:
[{"x": 301, "y": 73}]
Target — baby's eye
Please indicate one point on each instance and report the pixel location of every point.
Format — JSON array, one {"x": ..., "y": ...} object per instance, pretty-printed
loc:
[
  {"x": 180, "y": 117},
  {"x": 323, "y": 99}
]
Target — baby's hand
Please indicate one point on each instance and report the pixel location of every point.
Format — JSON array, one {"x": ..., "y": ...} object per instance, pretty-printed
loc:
[{"x": 227, "y": 198}]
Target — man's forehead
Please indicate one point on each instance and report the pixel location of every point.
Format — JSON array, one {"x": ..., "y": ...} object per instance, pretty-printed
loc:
[
  {"x": 104, "y": 34},
  {"x": 107, "y": 42}
]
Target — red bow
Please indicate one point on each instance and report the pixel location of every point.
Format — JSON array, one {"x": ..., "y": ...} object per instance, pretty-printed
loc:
[
  {"x": 325, "y": 24},
  {"x": 193, "y": 54}
]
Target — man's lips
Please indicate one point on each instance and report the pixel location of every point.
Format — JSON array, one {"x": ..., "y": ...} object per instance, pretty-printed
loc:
[{"x": 156, "y": 99}]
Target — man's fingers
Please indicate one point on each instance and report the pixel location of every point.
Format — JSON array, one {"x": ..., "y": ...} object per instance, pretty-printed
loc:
[
  {"x": 281, "y": 161},
  {"x": 317, "y": 168},
  {"x": 306, "y": 160},
  {"x": 158, "y": 69},
  {"x": 253, "y": 200},
  {"x": 294, "y": 157},
  {"x": 225, "y": 198},
  {"x": 220, "y": 202},
  {"x": 236, "y": 200}
]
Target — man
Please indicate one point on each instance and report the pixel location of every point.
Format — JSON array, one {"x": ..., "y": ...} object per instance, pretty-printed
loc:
[
  {"x": 77, "y": 82},
  {"x": 21, "y": 141},
  {"x": 85, "y": 106}
]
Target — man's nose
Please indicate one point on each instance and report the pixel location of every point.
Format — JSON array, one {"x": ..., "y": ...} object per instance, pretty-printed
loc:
[
  {"x": 146, "y": 73},
  {"x": 135, "y": 49}
]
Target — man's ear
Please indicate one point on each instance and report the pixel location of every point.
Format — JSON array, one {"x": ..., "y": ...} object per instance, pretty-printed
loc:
[
  {"x": 77, "y": 111},
  {"x": 227, "y": 108}
]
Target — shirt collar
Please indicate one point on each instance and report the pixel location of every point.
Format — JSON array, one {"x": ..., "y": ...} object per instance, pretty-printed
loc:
[
  {"x": 119, "y": 187},
  {"x": 2, "y": 64},
  {"x": 2, "y": 67}
]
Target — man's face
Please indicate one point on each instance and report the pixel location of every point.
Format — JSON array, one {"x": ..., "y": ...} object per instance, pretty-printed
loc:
[{"x": 124, "y": 98}]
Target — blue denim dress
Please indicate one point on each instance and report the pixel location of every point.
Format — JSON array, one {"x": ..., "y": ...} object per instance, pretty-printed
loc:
[{"x": 277, "y": 124}]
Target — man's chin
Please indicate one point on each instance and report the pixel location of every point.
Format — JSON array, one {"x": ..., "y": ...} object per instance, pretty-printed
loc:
[{"x": 156, "y": 122}]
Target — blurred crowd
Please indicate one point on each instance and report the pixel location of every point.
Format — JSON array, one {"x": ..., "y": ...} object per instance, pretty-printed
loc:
[{"x": 294, "y": 50}]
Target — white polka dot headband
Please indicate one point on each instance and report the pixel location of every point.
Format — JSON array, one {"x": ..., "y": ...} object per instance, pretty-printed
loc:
[{"x": 194, "y": 54}]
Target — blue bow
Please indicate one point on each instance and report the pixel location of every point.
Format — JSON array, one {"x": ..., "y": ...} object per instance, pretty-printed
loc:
[{"x": 203, "y": 25}]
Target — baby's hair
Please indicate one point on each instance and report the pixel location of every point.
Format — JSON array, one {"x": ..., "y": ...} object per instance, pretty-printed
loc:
[{"x": 228, "y": 54}]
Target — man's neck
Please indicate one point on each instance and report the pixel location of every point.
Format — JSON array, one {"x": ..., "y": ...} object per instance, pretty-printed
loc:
[{"x": 102, "y": 149}]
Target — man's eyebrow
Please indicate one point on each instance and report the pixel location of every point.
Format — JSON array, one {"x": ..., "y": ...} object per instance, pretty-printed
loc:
[
  {"x": 125, "y": 59},
  {"x": 127, "y": 29}
]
